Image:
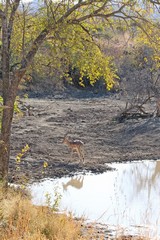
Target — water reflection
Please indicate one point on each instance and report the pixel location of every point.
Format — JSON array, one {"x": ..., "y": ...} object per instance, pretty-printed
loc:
[
  {"x": 144, "y": 175},
  {"x": 76, "y": 182},
  {"x": 127, "y": 197}
]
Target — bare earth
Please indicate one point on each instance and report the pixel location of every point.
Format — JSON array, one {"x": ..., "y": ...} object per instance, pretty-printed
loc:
[{"x": 90, "y": 120}]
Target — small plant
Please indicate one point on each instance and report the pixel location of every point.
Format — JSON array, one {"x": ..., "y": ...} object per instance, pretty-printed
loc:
[
  {"x": 22, "y": 179},
  {"x": 44, "y": 167},
  {"x": 57, "y": 198},
  {"x": 21, "y": 154}
]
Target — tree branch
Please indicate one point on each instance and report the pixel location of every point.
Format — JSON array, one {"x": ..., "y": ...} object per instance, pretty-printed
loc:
[
  {"x": 98, "y": 14},
  {"x": 39, "y": 40},
  {"x": 157, "y": 2},
  {"x": 36, "y": 44},
  {"x": 2, "y": 14},
  {"x": 72, "y": 9},
  {"x": 11, "y": 20}
]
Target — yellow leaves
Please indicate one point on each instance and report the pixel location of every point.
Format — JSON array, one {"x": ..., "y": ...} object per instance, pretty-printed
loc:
[
  {"x": 110, "y": 86},
  {"x": 93, "y": 65},
  {"x": 45, "y": 164},
  {"x": 25, "y": 149},
  {"x": 81, "y": 83},
  {"x": 25, "y": 96},
  {"x": 18, "y": 158},
  {"x": 25, "y": 29},
  {"x": 157, "y": 57},
  {"x": 67, "y": 45},
  {"x": 21, "y": 154},
  {"x": 145, "y": 59},
  {"x": 151, "y": 40}
]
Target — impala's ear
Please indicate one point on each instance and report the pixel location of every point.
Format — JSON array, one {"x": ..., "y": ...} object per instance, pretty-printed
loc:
[
  {"x": 65, "y": 135},
  {"x": 64, "y": 138}
]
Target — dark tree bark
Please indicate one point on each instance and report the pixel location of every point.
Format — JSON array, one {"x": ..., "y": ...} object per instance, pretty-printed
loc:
[
  {"x": 9, "y": 96},
  {"x": 6, "y": 119},
  {"x": 158, "y": 107},
  {"x": 10, "y": 87},
  {"x": 11, "y": 82}
]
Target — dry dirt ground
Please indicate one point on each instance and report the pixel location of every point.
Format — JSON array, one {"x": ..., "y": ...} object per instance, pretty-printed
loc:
[{"x": 90, "y": 120}]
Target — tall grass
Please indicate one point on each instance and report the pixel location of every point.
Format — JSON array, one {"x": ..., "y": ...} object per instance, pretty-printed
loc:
[{"x": 19, "y": 219}]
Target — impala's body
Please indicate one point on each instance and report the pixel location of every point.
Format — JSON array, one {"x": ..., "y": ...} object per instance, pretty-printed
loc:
[{"x": 75, "y": 145}]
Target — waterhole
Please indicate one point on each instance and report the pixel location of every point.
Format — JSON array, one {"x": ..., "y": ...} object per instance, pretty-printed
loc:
[{"x": 127, "y": 198}]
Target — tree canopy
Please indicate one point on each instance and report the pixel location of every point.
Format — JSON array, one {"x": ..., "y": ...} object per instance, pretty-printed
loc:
[{"x": 58, "y": 34}]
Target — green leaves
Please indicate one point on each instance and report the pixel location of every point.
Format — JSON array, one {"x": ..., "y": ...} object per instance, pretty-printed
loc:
[{"x": 72, "y": 39}]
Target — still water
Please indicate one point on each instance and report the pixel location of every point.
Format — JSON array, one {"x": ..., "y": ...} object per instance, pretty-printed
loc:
[{"x": 128, "y": 197}]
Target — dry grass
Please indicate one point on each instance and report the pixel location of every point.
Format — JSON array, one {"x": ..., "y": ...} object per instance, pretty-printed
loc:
[{"x": 19, "y": 219}]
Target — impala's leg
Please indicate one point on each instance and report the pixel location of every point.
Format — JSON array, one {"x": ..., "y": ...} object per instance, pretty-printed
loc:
[
  {"x": 72, "y": 151},
  {"x": 82, "y": 153},
  {"x": 79, "y": 154}
]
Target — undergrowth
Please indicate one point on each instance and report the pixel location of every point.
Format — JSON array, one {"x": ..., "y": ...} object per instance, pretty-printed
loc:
[{"x": 19, "y": 219}]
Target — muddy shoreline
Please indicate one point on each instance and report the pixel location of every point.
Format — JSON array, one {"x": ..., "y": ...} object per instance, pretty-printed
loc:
[{"x": 91, "y": 120}]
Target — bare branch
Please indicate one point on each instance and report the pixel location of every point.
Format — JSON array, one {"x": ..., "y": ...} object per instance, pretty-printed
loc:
[
  {"x": 143, "y": 29},
  {"x": 98, "y": 14},
  {"x": 157, "y": 2},
  {"x": 11, "y": 20},
  {"x": 72, "y": 9}
]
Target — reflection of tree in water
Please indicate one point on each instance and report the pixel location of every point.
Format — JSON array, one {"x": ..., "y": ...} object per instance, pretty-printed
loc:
[
  {"x": 76, "y": 182},
  {"x": 143, "y": 175}
]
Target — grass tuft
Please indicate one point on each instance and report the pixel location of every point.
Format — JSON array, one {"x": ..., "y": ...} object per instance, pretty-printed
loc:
[{"x": 19, "y": 219}]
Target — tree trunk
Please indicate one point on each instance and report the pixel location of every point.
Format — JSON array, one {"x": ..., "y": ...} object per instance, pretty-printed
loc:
[
  {"x": 8, "y": 112},
  {"x": 5, "y": 134},
  {"x": 10, "y": 87},
  {"x": 11, "y": 82},
  {"x": 5, "y": 141},
  {"x": 158, "y": 107}
]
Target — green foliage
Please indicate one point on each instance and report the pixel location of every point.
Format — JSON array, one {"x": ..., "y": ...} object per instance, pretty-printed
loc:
[
  {"x": 66, "y": 45},
  {"x": 72, "y": 41},
  {"x": 75, "y": 47},
  {"x": 22, "y": 179},
  {"x": 1, "y": 102},
  {"x": 26, "y": 29},
  {"x": 151, "y": 40},
  {"x": 57, "y": 198}
]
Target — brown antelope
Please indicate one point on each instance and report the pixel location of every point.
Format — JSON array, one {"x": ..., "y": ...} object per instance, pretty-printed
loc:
[{"x": 75, "y": 146}]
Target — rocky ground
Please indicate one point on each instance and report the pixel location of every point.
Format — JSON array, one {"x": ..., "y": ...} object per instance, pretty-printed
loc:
[{"x": 92, "y": 120}]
